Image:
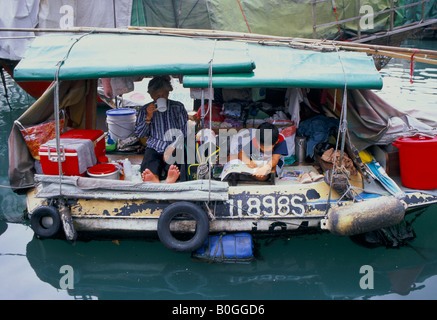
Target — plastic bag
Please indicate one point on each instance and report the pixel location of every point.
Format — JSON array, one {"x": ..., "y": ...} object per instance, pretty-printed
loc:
[
  {"x": 37, "y": 135},
  {"x": 216, "y": 113},
  {"x": 289, "y": 134}
]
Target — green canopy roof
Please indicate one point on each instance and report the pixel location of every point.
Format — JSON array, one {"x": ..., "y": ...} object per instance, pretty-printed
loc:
[
  {"x": 235, "y": 63},
  {"x": 286, "y": 67},
  {"x": 115, "y": 55}
]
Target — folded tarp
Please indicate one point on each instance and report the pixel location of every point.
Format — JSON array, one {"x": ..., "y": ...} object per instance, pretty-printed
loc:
[
  {"x": 90, "y": 56},
  {"x": 284, "y": 67},
  {"x": 94, "y": 188}
]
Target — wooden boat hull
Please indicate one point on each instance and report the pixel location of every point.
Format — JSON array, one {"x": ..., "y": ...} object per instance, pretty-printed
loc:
[{"x": 255, "y": 209}]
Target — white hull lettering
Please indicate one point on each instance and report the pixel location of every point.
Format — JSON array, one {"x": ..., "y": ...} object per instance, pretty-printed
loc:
[{"x": 267, "y": 205}]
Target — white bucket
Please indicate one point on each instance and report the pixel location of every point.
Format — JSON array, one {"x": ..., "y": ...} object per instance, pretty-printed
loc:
[{"x": 121, "y": 123}]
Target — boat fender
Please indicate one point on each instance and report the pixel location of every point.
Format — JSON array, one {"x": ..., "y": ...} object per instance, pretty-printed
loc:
[
  {"x": 364, "y": 216},
  {"x": 45, "y": 221},
  {"x": 194, "y": 212}
]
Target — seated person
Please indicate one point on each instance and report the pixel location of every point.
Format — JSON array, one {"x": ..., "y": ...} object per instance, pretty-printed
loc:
[
  {"x": 270, "y": 148},
  {"x": 156, "y": 125}
]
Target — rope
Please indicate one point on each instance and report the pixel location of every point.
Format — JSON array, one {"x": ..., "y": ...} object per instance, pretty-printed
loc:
[
  {"x": 334, "y": 7},
  {"x": 342, "y": 131},
  {"x": 412, "y": 65},
  {"x": 244, "y": 16},
  {"x": 6, "y": 187},
  {"x": 219, "y": 244},
  {"x": 210, "y": 116},
  {"x": 56, "y": 107},
  {"x": 189, "y": 13}
]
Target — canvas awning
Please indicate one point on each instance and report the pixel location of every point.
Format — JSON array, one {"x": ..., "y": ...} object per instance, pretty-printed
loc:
[
  {"x": 235, "y": 63},
  {"x": 117, "y": 55},
  {"x": 283, "y": 67}
]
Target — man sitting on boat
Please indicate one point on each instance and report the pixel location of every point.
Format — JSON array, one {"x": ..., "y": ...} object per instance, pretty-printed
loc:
[
  {"x": 154, "y": 121},
  {"x": 267, "y": 150}
]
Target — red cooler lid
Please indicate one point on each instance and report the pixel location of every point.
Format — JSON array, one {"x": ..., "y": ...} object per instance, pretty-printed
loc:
[
  {"x": 417, "y": 140},
  {"x": 102, "y": 168},
  {"x": 82, "y": 134}
]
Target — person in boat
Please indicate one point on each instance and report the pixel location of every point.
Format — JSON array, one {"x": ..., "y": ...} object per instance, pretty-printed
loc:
[
  {"x": 267, "y": 147},
  {"x": 155, "y": 124}
]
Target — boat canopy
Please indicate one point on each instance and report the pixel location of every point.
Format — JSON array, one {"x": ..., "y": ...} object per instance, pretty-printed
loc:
[
  {"x": 89, "y": 56},
  {"x": 284, "y": 67},
  {"x": 235, "y": 63}
]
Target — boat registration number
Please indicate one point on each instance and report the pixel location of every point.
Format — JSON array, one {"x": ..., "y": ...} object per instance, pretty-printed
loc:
[{"x": 267, "y": 205}]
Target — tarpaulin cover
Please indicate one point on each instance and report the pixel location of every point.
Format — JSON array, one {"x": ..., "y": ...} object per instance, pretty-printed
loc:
[
  {"x": 372, "y": 121},
  {"x": 94, "y": 188},
  {"x": 108, "y": 55},
  {"x": 282, "y": 67},
  {"x": 276, "y": 17},
  {"x": 171, "y": 14},
  {"x": 59, "y": 14},
  {"x": 293, "y": 18}
]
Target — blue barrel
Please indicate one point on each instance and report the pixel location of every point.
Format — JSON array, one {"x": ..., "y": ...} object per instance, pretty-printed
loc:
[{"x": 230, "y": 248}]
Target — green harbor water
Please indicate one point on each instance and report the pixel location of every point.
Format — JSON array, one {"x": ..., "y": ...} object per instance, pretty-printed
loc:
[{"x": 316, "y": 266}]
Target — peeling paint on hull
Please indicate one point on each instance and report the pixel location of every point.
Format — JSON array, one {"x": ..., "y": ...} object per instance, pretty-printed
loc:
[{"x": 269, "y": 209}]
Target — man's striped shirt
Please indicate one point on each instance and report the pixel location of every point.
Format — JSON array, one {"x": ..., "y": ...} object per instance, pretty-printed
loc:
[{"x": 175, "y": 117}]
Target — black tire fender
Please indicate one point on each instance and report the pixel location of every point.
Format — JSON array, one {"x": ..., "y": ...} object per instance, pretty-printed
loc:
[
  {"x": 196, "y": 213},
  {"x": 36, "y": 221}
]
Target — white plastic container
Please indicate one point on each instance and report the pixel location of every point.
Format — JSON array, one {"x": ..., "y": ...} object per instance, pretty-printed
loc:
[
  {"x": 127, "y": 168},
  {"x": 136, "y": 173},
  {"x": 121, "y": 123}
]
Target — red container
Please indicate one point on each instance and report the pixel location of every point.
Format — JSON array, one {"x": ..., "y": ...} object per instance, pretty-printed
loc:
[
  {"x": 104, "y": 171},
  {"x": 97, "y": 136},
  {"x": 416, "y": 159},
  {"x": 102, "y": 168},
  {"x": 70, "y": 166},
  {"x": 49, "y": 162}
]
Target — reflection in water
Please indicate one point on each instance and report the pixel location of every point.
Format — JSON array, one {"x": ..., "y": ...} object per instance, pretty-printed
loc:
[
  {"x": 320, "y": 266},
  {"x": 11, "y": 205},
  {"x": 3, "y": 227}
]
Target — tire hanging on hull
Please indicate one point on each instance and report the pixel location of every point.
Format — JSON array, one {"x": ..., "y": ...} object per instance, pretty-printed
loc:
[
  {"x": 45, "y": 222},
  {"x": 190, "y": 210}
]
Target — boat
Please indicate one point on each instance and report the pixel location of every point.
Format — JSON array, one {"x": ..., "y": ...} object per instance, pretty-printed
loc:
[{"x": 311, "y": 80}]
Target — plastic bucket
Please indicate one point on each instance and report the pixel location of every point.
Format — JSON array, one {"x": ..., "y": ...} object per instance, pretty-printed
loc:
[
  {"x": 416, "y": 160},
  {"x": 104, "y": 171},
  {"x": 121, "y": 123}
]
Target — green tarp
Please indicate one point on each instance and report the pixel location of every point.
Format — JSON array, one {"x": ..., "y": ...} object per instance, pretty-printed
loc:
[
  {"x": 235, "y": 63},
  {"x": 286, "y": 67},
  {"x": 171, "y": 14},
  {"x": 291, "y": 18},
  {"x": 108, "y": 55}
]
